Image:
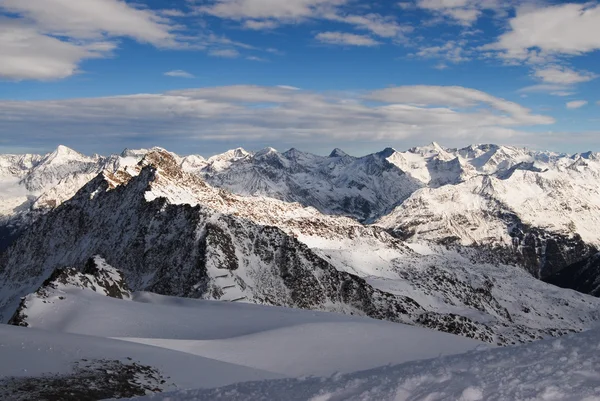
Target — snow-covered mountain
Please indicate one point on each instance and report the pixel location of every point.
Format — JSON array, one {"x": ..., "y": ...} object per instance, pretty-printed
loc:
[
  {"x": 542, "y": 208},
  {"x": 171, "y": 233},
  {"x": 536, "y": 209},
  {"x": 363, "y": 188},
  {"x": 32, "y": 185}
]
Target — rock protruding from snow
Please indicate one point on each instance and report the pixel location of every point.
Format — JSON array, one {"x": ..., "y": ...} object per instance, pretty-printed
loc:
[{"x": 97, "y": 276}]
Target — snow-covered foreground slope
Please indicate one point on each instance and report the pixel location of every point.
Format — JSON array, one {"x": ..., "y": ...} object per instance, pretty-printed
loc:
[
  {"x": 286, "y": 341},
  {"x": 33, "y": 353},
  {"x": 565, "y": 369},
  {"x": 80, "y": 335},
  {"x": 207, "y": 350}
]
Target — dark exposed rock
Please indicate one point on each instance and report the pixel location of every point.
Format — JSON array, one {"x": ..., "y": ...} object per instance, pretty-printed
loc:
[
  {"x": 545, "y": 253},
  {"x": 89, "y": 381},
  {"x": 583, "y": 276},
  {"x": 459, "y": 325}
]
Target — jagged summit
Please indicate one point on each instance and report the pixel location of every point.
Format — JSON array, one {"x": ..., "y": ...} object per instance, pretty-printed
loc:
[
  {"x": 337, "y": 152},
  {"x": 137, "y": 153},
  {"x": 231, "y": 154},
  {"x": 387, "y": 152},
  {"x": 268, "y": 151}
]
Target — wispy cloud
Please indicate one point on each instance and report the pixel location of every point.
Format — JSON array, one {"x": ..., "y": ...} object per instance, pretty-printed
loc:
[
  {"x": 452, "y": 51},
  {"x": 552, "y": 89},
  {"x": 270, "y": 14},
  {"x": 462, "y": 12},
  {"x": 224, "y": 53},
  {"x": 576, "y": 104},
  {"x": 231, "y": 114},
  {"x": 561, "y": 75},
  {"x": 179, "y": 74},
  {"x": 344, "y": 38}
]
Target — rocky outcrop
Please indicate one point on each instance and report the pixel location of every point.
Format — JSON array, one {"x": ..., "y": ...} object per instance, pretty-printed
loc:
[
  {"x": 96, "y": 276},
  {"x": 583, "y": 276}
]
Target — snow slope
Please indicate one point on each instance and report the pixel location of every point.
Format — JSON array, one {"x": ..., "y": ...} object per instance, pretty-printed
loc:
[
  {"x": 559, "y": 370},
  {"x": 182, "y": 343},
  {"x": 287, "y": 341},
  {"x": 34, "y": 353}
]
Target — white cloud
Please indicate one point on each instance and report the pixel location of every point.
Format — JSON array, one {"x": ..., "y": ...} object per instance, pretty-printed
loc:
[
  {"x": 452, "y": 51},
  {"x": 27, "y": 54},
  {"x": 48, "y": 39},
  {"x": 269, "y": 14},
  {"x": 575, "y": 104},
  {"x": 460, "y": 97},
  {"x": 553, "y": 89},
  {"x": 563, "y": 76},
  {"x": 385, "y": 27},
  {"x": 343, "y": 38},
  {"x": 268, "y": 114},
  {"x": 224, "y": 53},
  {"x": 179, "y": 74},
  {"x": 463, "y": 12},
  {"x": 93, "y": 19},
  {"x": 289, "y": 10},
  {"x": 537, "y": 33},
  {"x": 261, "y": 25}
]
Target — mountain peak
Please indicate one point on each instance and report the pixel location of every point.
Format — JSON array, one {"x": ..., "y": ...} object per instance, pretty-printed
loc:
[
  {"x": 162, "y": 160},
  {"x": 436, "y": 146},
  {"x": 264, "y": 152},
  {"x": 232, "y": 154},
  {"x": 387, "y": 152},
  {"x": 337, "y": 152},
  {"x": 240, "y": 152},
  {"x": 64, "y": 151}
]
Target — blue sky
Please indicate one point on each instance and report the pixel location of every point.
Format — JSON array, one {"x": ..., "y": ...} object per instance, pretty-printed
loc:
[{"x": 203, "y": 76}]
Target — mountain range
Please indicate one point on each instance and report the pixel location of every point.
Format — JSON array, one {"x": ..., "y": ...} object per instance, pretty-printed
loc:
[
  {"x": 450, "y": 239},
  {"x": 493, "y": 243}
]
